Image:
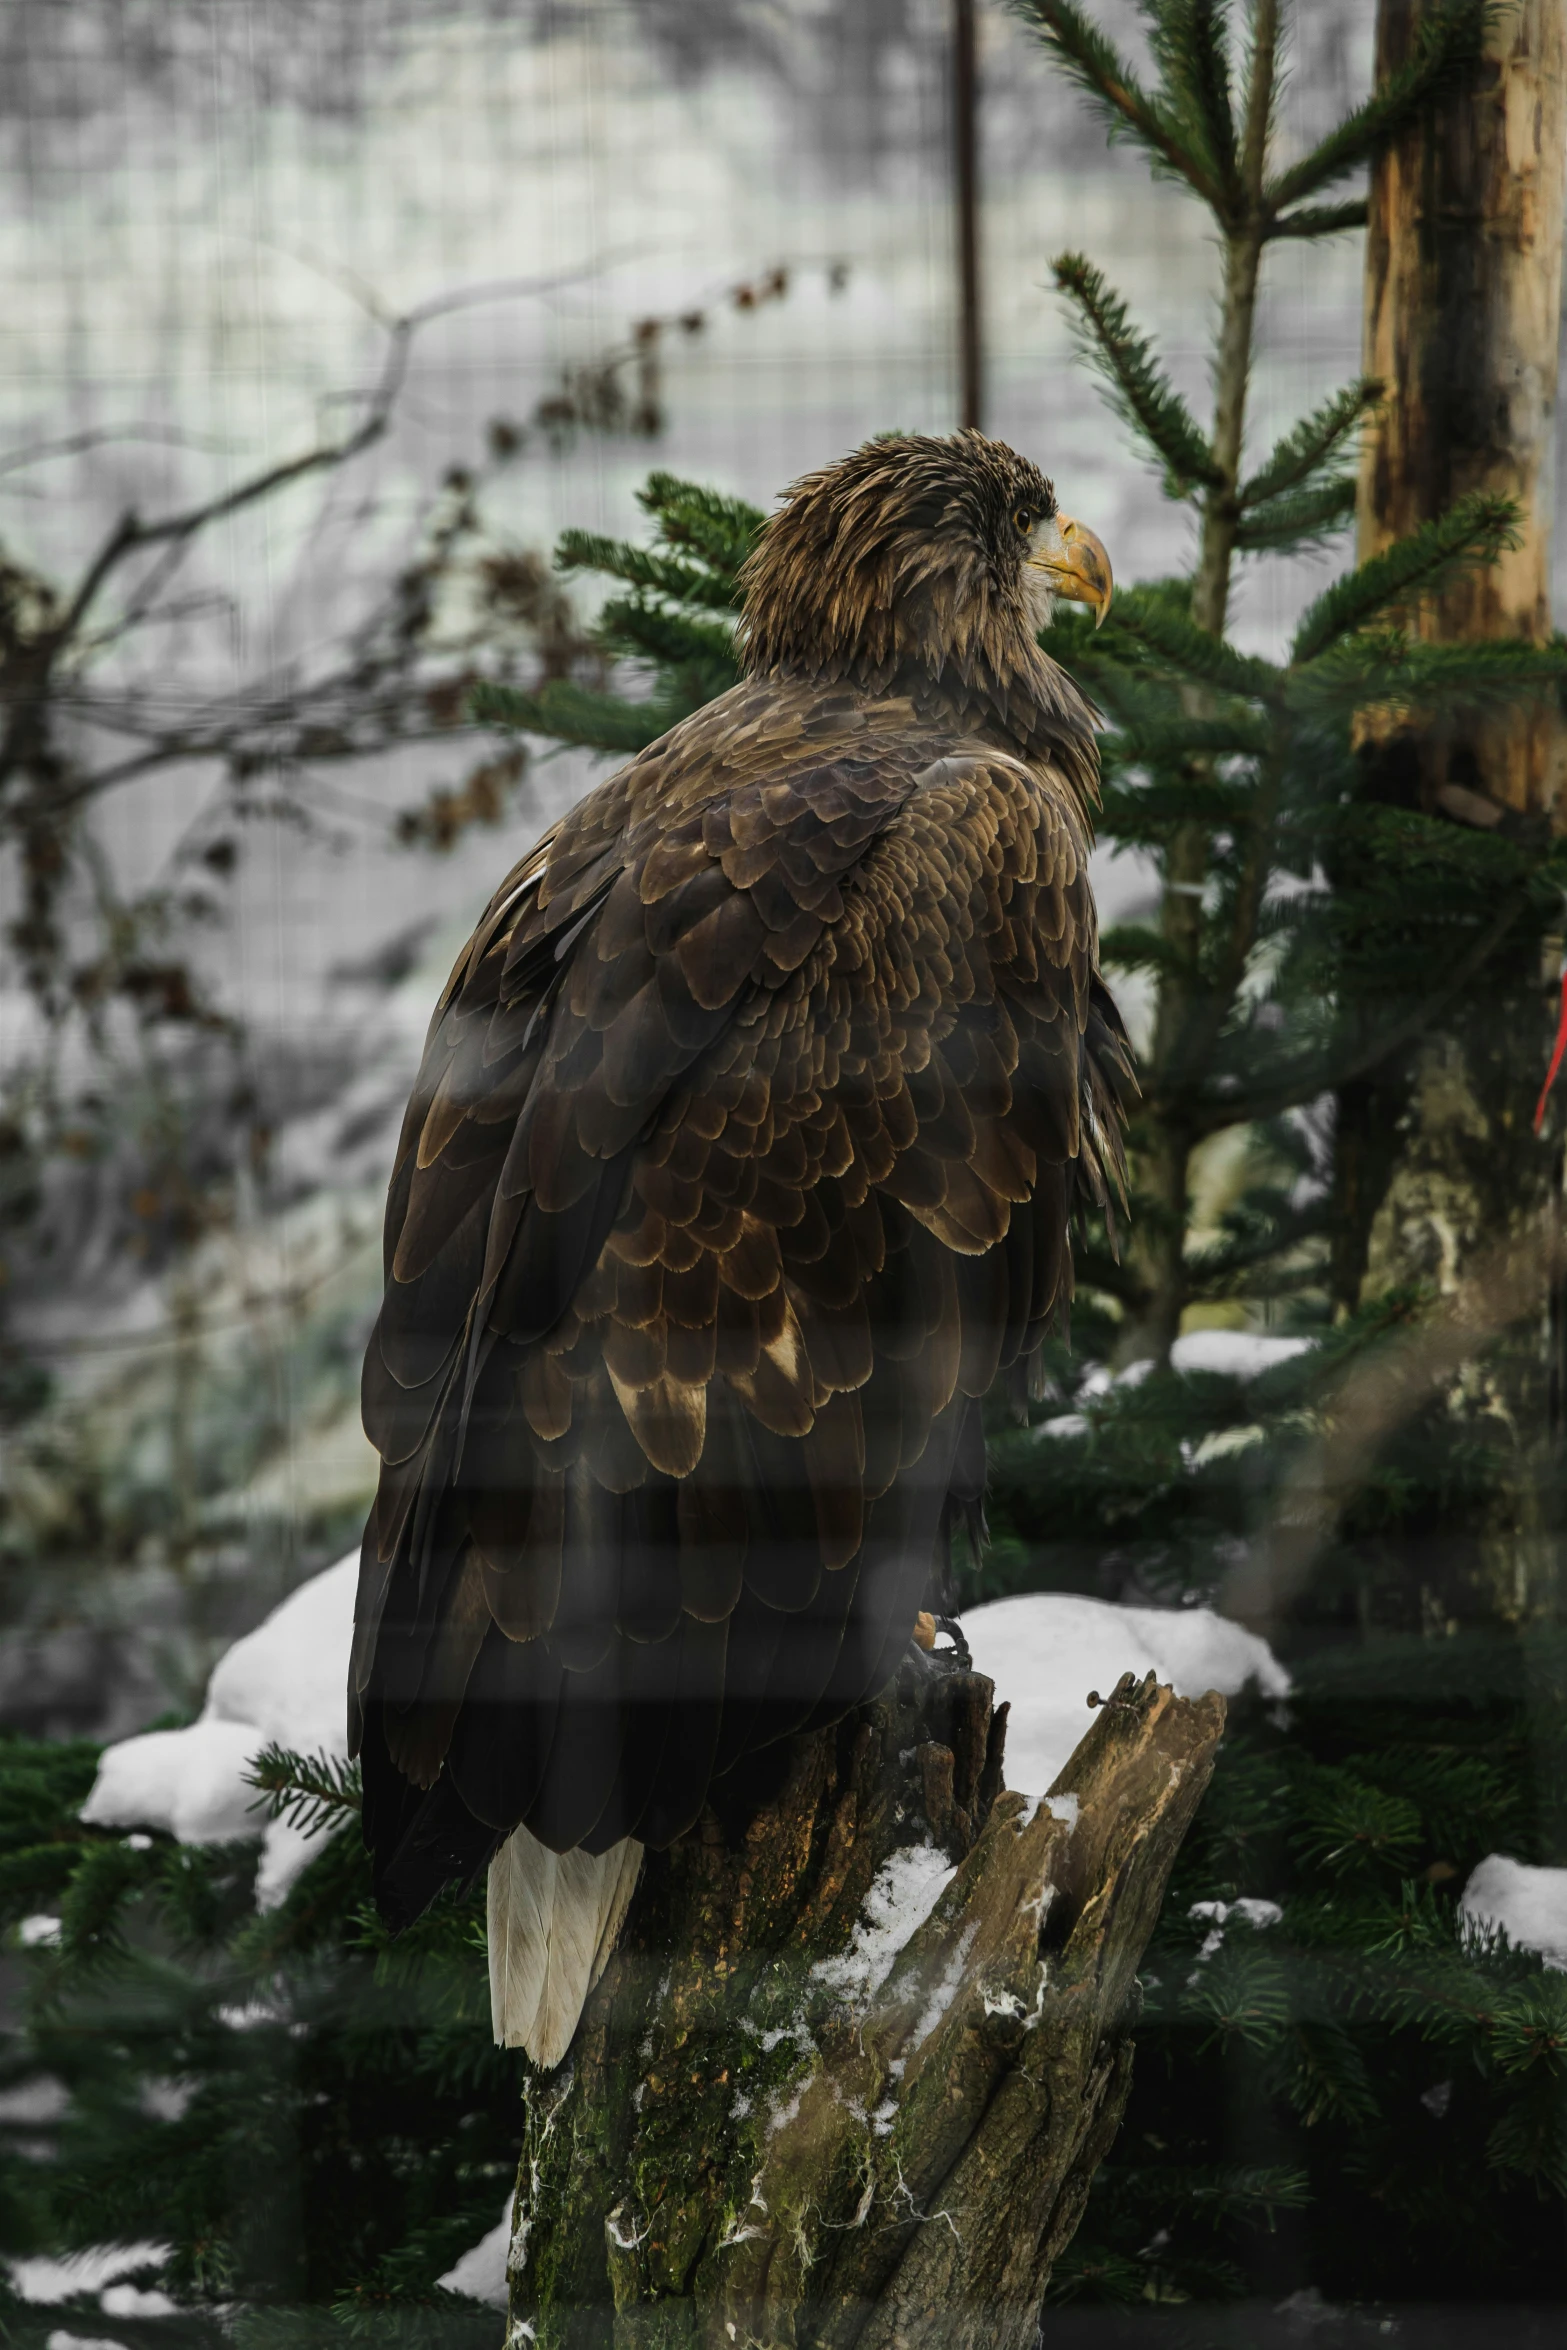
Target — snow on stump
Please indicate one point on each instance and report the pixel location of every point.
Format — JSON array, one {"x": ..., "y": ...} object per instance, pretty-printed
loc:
[{"x": 848, "y": 2077}]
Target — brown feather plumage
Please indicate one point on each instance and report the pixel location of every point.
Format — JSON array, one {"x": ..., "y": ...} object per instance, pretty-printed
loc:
[{"x": 738, "y": 1170}]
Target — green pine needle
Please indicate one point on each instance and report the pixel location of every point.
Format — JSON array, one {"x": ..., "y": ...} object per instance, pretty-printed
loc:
[
  {"x": 1473, "y": 532},
  {"x": 721, "y": 529},
  {"x": 652, "y": 632},
  {"x": 1110, "y": 85},
  {"x": 1313, "y": 442},
  {"x": 310, "y": 1791},
  {"x": 1447, "y": 47},
  {"x": 1190, "y": 40},
  {"x": 1388, "y": 668},
  {"x": 645, "y": 567},
  {"x": 1320, "y": 220},
  {"x": 1240, "y": 734},
  {"x": 1299, "y": 518},
  {"x": 1136, "y": 946},
  {"x": 1188, "y": 651},
  {"x": 573, "y": 714},
  {"x": 1138, "y": 389},
  {"x": 1351, "y": 1826}
]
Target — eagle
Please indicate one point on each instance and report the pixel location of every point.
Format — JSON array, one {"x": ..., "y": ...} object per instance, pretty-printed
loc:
[{"x": 740, "y": 1167}]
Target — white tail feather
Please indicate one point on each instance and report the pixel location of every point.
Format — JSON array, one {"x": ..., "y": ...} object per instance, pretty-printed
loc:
[{"x": 553, "y": 1919}]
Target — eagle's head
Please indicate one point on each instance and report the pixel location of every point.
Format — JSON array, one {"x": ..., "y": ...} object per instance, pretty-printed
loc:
[{"x": 918, "y": 557}]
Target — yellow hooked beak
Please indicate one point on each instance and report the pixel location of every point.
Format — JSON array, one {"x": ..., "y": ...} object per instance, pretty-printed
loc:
[{"x": 1076, "y": 565}]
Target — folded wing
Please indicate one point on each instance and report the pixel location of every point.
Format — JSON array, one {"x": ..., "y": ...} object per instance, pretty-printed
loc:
[{"x": 740, "y": 1163}]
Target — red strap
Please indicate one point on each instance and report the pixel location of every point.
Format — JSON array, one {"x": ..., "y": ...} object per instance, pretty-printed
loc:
[{"x": 1556, "y": 1060}]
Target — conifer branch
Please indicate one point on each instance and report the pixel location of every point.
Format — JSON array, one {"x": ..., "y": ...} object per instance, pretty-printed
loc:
[
  {"x": 675, "y": 638},
  {"x": 1239, "y": 733},
  {"x": 1291, "y": 1085},
  {"x": 1088, "y": 59},
  {"x": 1474, "y": 531},
  {"x": 1319, "y": 220},
  {"x": 645, "y": 567},
  {"x": 1447, "y": 46},
  {"x": 720, "y": 529},
  {"x": 1189, "y": 39},
  {"x": 310, "y": 1791},
  {"x": 572, "y": 714},
  {"x": 1139, "y": 389},
  {"x": 93, "y": 1905},
  {"x": 1190, "y": 652},
  {"x": 1308, "y": 445},
  {"x": 1389, "y": 669},
  {"x": 1299, "y": 518},
  {"x": 1136, "y": 946},
  {"x": 1247, "y": 1263},
  {"x": 1142, "y": 814}
]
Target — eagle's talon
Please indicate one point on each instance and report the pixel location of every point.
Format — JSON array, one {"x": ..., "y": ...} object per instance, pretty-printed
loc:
[{"x": 962, "y": 1655}]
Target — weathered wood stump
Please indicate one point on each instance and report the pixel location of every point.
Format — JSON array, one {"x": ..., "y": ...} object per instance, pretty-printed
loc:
[{"x": 756, "y": 2143}]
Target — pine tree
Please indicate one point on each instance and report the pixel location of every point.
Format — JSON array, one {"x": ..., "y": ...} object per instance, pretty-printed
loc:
[{"x": 313, "y": 2117}]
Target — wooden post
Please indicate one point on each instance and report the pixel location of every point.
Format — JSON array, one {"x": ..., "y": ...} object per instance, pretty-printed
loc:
[
  {"x": 754, "y": 2145},
  {"x": 965, "y": 143},
  {"x": 1462, "y": 317},
  {"x": 1435, "y": 1161}
]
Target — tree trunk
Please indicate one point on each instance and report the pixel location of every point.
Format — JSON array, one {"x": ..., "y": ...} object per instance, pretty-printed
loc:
[
  {"x": 758, "y": 2141},
  {"x": 1462, "y": 320},
  {"x": 1187, "y": 1019},
  {"x": 1462, "y": 317}
]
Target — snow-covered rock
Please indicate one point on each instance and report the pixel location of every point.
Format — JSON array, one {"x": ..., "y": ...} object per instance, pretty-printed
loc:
[
  {"x": 284, "y": 1682},
  {"x": 1529, "y": 1904},
  {"x": 1046, "y": 1650}
]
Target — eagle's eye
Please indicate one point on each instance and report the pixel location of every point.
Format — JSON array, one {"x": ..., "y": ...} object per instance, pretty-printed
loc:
[{"x": 1024, "y": 520}]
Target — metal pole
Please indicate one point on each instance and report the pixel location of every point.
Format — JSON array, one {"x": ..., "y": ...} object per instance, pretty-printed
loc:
[{"x": 966, "y": 158}]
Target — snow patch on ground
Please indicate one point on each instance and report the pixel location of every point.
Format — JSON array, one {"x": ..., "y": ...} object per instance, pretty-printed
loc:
[
  {"x": 1046, "y": 1650},
  {"x": 284, "y": 1681},
  {"x": 1529, "y": 1904},
  {"x": 481, "y": 2272}
]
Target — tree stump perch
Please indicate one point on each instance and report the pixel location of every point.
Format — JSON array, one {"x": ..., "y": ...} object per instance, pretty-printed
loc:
[{"x": 755, "y": 2144}]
